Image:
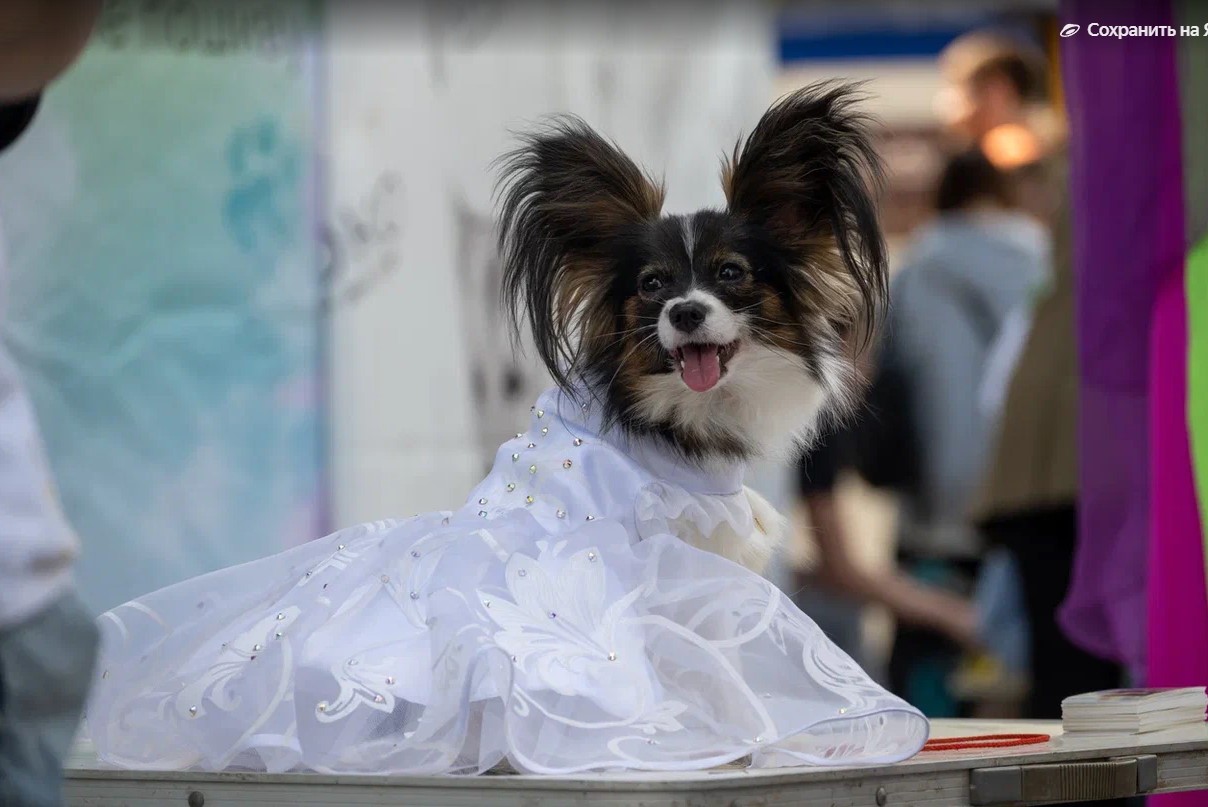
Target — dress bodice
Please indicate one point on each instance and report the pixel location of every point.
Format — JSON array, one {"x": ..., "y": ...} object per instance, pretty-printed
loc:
[{"x": 568, "y": 468}]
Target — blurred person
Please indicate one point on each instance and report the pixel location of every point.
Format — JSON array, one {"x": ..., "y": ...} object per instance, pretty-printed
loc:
[
  {"x": 834, "y": 589},
  {"x": 1028, "y": 502},
  {"x": 967, "y": 271},
  {"x": 995, "y": 87},
  {"x": 47, "y": 639},
  {"x": 995, "y": 98}
]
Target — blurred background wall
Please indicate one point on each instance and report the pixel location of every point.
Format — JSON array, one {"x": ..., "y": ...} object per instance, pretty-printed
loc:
[
  {"x": 424, "y": 383},
  {"x": 160, "y": 216}
]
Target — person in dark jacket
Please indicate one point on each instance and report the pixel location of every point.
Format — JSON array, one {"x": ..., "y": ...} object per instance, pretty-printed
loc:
[
  {"x": 969, "y": 270},
  {"x": 834, "y": 590}
]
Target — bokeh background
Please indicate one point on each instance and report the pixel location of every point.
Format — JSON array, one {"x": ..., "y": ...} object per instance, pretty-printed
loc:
[{"x": 255, "y": 281}]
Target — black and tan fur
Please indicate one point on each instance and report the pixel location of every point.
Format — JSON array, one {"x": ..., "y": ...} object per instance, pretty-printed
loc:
[{"x": 794, "y": 268}]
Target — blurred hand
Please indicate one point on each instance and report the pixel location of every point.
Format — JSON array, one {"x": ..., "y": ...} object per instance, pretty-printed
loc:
[
  {"x": 959, "y": 622},
  {"x": 39, "y": 39},
  {"x": 907, "y": 599}
]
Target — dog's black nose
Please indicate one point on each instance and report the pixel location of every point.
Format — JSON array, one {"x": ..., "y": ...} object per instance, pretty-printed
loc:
[{"x": 687, "y": 317}]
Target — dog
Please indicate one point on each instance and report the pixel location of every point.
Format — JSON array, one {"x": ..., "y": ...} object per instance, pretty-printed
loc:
[
  {"x": 726, "y": 335},
  {"x": 568, "y": 586}
]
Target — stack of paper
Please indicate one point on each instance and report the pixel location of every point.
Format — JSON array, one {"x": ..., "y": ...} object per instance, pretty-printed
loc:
[{"x": 1133, "y": 711}]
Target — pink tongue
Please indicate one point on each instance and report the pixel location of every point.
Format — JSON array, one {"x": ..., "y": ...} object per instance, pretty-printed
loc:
[{"x": 702, "y": 367}]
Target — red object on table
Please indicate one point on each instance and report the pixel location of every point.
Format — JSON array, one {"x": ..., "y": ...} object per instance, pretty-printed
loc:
[{"x": 985, "y": 741}]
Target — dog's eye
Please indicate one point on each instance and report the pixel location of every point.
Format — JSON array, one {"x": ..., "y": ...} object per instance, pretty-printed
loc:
[
  {"x": 730, "y": 272},
  {"x": 651, "y": 283}
]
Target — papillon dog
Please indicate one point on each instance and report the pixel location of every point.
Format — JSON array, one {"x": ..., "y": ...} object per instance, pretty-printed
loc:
[{"x": 725, "y": 334}]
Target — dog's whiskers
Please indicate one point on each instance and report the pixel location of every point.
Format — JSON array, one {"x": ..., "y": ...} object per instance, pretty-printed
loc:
[{"x": 627, "y": 354}]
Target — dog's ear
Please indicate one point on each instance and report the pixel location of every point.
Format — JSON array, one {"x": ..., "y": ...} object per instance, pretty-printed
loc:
[
  {"x": 809, "y": 177},
  {"x": 563, "y": 195}
]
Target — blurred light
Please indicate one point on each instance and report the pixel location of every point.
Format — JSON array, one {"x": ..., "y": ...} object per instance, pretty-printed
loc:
[{"x": 1009, "y": 146}]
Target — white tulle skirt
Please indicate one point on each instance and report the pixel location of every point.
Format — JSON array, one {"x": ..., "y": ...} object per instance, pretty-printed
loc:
[{"x": 451, "y": 644}]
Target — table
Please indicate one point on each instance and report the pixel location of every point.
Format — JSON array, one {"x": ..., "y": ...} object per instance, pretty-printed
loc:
[{"x": 1064, "y": 769}]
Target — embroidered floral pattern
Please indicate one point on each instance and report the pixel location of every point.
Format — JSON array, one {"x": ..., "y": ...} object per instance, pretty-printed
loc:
[
  {"x": 213, "y": 688},
  {"x": 561, "y": 630},
  {"x": 362, "y": 683}
]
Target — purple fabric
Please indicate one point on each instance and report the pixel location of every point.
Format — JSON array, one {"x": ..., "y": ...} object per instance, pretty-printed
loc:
[{"x": 1126, "y": 192}]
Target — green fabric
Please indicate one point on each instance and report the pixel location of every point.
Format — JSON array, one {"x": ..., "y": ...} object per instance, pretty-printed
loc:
[
  {"x": 1197, "y": 376},
  {"x": 1193, "y": 89}
]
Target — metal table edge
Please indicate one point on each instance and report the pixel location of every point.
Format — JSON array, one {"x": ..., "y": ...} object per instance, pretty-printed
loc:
[{"x": 646, "y": 781}]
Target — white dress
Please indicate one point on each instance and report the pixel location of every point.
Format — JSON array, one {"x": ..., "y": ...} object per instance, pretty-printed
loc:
[{"x": 554, "y": 623}]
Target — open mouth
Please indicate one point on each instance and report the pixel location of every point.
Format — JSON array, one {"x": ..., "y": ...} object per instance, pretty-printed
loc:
[{"x": 702, "y": 365}]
